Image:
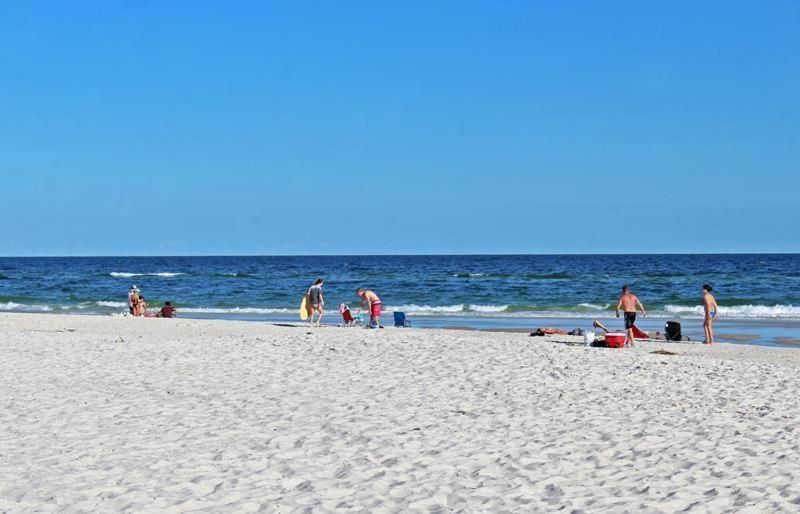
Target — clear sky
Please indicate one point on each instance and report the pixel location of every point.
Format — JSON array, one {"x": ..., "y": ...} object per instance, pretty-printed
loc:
[{"x": 208, "y": 127}]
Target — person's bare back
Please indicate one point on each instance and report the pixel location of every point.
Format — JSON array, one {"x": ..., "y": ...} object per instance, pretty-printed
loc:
[
  {"x": 628, "y": 301},
  {"x": 371, "y": 297}
]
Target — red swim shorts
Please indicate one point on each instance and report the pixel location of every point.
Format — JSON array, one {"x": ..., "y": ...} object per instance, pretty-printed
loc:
[{"x": 376, "y": 310}]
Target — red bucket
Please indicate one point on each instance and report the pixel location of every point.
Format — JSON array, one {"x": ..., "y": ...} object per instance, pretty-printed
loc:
[{"x": 615, "y": 339}]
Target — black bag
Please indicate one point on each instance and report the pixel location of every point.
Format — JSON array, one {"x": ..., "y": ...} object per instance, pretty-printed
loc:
[{"x": 672, "y": 330}]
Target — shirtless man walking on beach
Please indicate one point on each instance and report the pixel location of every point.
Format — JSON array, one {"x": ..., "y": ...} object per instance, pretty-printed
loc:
[
  {"x": 371, "y": 300},
  {"x": 628, "y": 303}
]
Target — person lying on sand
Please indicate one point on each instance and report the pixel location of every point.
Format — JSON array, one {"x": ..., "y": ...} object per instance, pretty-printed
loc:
[
  {"x": 546, "y": 331},
  {"x": 655, "y": 334}
]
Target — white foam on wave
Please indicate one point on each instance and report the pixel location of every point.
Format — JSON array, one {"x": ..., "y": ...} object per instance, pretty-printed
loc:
[
  {"x": 12, "y": 306},
  {"x": 122, "y": 274},
  {"x": 115, "y": 305},
  {"x": 235, "y": 310},
  {"x": 486, "y": 308},
  {"x": 468, "y": 310},
  {"x": 739, "y": 311},
  {"x": 594, "y": 306},
  {"x": 447, "y": 309},
  {"x": 588, "y": 310}
]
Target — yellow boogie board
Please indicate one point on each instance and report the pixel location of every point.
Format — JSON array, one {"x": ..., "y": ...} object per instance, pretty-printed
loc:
[{"x": 304, "y": 308}]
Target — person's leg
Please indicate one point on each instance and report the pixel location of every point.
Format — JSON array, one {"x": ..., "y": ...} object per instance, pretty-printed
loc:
[
  {"x": 602, "y": 327},
  {"x": 311, "y": 318},
  {"x": 709, "y": 328},
  {"x": 706, "y": 332},
  {"x": 319, "y": 318},
  {"x": 630, "y": 320}
]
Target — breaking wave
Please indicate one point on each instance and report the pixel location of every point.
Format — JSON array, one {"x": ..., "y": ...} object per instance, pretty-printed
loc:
[
  {"x": 114, "y": 305},
  {"x": 21, "y": 307},
  {"x": 234, "y": 310},
  {"x": 739, "y": 311}
]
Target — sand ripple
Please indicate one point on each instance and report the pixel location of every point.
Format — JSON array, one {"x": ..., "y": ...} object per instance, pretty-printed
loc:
[{"x": 110, "y": 414}]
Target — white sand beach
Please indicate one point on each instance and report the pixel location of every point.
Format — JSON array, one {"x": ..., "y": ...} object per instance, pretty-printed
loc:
[{"x": 112, "y": 414}]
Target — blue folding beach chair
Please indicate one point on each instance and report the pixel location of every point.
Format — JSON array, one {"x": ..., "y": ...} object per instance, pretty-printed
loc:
[{"x": 400, "y": 320}]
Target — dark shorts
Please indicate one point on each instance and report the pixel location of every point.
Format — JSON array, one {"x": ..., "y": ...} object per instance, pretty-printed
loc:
[{"x": 630, "y": 320}]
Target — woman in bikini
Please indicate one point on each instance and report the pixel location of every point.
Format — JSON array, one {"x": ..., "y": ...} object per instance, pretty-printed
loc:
[{"x": 710, "y": 307}]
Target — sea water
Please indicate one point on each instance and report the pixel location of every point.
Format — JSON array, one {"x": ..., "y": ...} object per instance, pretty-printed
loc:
[{"x": 476, "y": 291}]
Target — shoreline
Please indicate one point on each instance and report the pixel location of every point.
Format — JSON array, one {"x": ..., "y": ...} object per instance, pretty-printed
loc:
[
  {"x": 111, "y": 413},
  {"x": 780, "y": 333}
]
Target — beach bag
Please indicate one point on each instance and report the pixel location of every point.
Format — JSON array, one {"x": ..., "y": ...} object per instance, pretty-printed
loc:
[{"x": 672, "y": 330}]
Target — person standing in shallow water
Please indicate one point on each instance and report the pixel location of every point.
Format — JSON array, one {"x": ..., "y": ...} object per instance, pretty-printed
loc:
[
  {"x": 316, "y": 302},
  {"x": 710, "y": 308}
]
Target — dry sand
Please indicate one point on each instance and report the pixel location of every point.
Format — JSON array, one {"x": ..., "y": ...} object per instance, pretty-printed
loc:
[{"x": 108, "y": 414}]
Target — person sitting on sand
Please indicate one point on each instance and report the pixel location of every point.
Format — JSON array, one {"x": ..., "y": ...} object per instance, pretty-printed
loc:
[
  {"x": 628, "y": 303},
  {"x": 710, "y": 308},
  {"x": 141, "y": 307},
  {"x": 316, "y": 302},
  {"x": 370, "y": 299},
  {"x": 167, "y": 311}
]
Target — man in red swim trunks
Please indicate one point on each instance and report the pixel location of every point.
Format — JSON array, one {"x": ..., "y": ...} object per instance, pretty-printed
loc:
[{"x": 371, "y": 300}]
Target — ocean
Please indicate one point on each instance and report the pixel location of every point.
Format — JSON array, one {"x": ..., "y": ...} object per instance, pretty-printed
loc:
[{"x": 476, "y": 291}]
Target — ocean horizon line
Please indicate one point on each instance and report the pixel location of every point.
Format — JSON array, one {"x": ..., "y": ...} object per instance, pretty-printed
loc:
[{"x": 213, "y": 255}]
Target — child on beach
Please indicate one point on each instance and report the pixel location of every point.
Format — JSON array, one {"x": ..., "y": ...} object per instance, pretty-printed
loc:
[
  {"x": 316, "y": 302},
  {"x": 628, "y": 303},
  {"x": 371, "y": 300},
  {"x": 710, "y": 308}
]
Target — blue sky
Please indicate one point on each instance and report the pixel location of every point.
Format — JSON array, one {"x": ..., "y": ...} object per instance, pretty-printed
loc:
[{"x": 205, "y": 127}]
